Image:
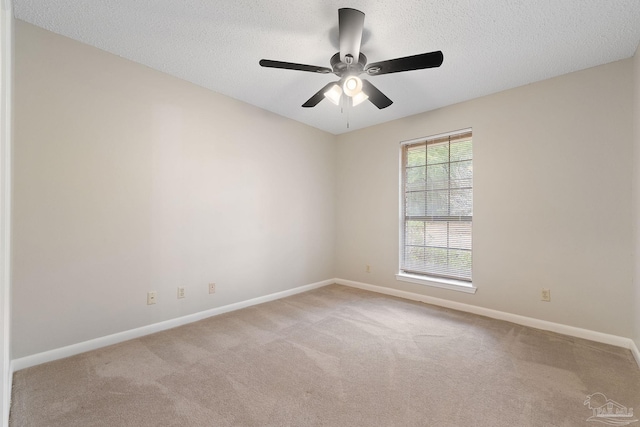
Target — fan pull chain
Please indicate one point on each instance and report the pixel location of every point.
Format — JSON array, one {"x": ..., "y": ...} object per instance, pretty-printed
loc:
[{"x": 348, "y": 110}]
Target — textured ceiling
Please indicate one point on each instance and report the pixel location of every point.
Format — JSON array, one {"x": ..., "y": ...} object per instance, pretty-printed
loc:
[{"x": 488, "y": 45}]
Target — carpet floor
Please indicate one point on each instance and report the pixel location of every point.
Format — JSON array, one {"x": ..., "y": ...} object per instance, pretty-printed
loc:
[{"x": 335, "y": 356}]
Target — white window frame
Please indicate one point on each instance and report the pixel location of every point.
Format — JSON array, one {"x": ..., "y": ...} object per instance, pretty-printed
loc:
[{"x": 434, "y": 281}]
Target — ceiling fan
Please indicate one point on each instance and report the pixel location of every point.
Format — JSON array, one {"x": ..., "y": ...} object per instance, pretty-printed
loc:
[{"x": 347, "y": 68}]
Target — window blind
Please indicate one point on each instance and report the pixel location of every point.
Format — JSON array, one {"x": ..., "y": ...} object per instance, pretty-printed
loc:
[{"x": 438, "y": 206}]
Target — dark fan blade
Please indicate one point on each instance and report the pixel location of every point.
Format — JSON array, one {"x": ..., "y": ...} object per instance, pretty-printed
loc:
[
  {"x": 319, "y": 96},
  {"x": 376, "y": 97},
  {"x": 350, "y": 25},
  {"x": 293, "y": 66},
  {"x": 408, "y": 63}
]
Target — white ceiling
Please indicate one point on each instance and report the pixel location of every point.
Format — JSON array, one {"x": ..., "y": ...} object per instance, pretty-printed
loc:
[{"x": 488, "y": 45}]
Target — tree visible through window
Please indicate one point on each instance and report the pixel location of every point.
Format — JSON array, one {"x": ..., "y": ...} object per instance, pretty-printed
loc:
[{"x": 438, "y": 206}]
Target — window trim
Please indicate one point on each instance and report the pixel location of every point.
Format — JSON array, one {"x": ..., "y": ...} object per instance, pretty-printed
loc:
[
  {"x": 424, "y": 279},
  {"x": 437, "y": 282}
]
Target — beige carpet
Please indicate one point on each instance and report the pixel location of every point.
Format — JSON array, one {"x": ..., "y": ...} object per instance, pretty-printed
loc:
[{"x": 335, "y": 356}]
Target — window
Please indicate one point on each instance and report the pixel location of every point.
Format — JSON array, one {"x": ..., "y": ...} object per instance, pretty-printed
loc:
[{"x": 437, "y": 208}]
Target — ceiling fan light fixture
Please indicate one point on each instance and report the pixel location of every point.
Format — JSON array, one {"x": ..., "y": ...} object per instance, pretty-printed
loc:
[
  {"x": 334, "y": 94},
  {"x": 352, "y": 86},
  {"x": 358, "y": 98}
]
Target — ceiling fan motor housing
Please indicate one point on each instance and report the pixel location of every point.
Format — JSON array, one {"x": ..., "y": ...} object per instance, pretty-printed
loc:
[{"x": 342, "y": 69}]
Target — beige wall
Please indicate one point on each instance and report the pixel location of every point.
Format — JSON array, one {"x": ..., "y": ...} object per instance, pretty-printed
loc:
[
  {"x": 128, "y": 180},
  {"x": 552, "y": 176}
]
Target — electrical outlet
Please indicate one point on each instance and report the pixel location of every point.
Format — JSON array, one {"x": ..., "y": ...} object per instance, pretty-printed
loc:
[
  {"x": 212, "y": 288},
  {"x": 368, "y": 268},
  {"x": 152, "y": 297},
  {"x": 181, "y": 292},
  {"x": 546, "y": 295}
]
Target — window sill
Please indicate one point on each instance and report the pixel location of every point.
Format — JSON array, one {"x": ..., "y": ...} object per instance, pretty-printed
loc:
[{"x": 437, "y": 282}]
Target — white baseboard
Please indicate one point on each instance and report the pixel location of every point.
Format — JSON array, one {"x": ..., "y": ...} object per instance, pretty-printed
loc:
[
  {"x": 71, "y": 350},
  {"x": 501, "y": 315},
  {"x": 94, "y": 344}
]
